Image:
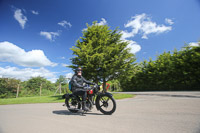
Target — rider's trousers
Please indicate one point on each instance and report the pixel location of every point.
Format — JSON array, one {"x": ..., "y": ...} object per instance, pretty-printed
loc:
[{"x": 81, "y": 93}]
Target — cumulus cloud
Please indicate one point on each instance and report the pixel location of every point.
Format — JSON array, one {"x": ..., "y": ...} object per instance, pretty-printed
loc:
[
  {"x": 194, "y": 44},
  {"x": 169, "y": 21},
  {"x": 35, "y": 12},
  {"x": 102, "y": 22},
  {"x": 50, "y": 35},
  {"x": 135, "y": 24},
  {"x": 126, "y": 34},
  {"x": 69, "y": 75},
  {"x": 12, "y": 53},
  {"x": 134, "y": 47},
  {"x": 142, "y": 24},
  {"x": 26, "y": 73},
  {"x": 64, "y": 24},
  {"x": 151, "y": 27},
  {"x": 64, "y": 65},
  {"x": 20, "y": 17},
  {"x": 62, "y": 57}
]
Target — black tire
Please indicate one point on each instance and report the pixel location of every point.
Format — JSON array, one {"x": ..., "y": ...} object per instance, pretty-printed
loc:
[
  {"x": 73, "y": 104},
  {"x": 106, "y": 104}
]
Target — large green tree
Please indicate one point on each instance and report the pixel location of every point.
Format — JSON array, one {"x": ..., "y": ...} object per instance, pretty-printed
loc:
[{"x": 102, "y": 54}]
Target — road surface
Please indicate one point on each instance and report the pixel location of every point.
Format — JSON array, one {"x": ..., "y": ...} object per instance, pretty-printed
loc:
[{"x": 148, "y": 112}]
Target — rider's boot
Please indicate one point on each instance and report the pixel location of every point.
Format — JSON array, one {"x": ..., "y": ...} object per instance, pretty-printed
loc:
[{"x": 84, "y": 106}]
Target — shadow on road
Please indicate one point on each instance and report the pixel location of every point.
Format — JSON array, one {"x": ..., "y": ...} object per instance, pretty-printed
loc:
[{"x": 66, "y": 112}]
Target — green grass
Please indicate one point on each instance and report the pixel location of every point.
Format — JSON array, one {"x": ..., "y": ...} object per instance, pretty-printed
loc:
[
  {"x": 122, "y": 96},
  {"x": 48, "y": 99},
  {"x": 26, "y": 100}
]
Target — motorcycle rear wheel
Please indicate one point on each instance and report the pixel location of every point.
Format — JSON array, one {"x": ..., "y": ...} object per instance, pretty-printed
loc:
[
  {"x": 89, "y": 104},
  {"x": 73, "y": 104}
]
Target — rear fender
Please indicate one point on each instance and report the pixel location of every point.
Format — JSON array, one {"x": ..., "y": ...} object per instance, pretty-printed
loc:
[{"x": 67, "y": 96}]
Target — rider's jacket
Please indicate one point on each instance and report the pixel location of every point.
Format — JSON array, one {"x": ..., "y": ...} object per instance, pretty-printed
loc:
[{"x": 77, "y": 83}]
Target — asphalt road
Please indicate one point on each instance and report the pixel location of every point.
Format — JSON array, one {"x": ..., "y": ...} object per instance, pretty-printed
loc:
[{"x": 150, "y": 112}]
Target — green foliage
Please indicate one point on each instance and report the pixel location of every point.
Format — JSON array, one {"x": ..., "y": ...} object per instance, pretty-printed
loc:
[
  {"x": 8, "y": 87},
  {"x": 33, "y": 85},
  {"x": 114, "y": 85},
  {"x": 102, "y": 54},
  {"x": 177, "y": 70}
]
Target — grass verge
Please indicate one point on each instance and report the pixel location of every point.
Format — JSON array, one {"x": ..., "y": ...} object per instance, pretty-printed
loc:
[{"x": 48, "y": 99}]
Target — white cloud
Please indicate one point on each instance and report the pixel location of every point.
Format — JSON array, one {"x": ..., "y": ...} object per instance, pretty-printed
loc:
[
  {"x": 194, "y": 44},
  {"x": 169, "y": 21},
  {"x": 151, "y": 27},
  {"x": 102, "y": 22},
  {"x": 50, "y": 35},
  {"x": 126, "y": 34},
  {"x": 64, "y": 65},
  {"x": 62, "y": 57},
  {"x": 85, "y": 29},
  {"x": 144, "y": 37},
  {"x": 35, "y": 12},
  {"x": 12, "y": 53},
  {"x": 69, "y": 75},
  {"x": 26, "y": 73},
  {"x": 20, "y": 18},
  {"x": 134, "y": 47},
  {"x": 64, "y": 24},
  {"x": 142, "y": 24}
]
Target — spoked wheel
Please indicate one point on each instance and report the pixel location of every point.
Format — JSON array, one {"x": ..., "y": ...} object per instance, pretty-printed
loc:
[
  {"x": 73, "y": 104},
  {"x": 107, "y": 104}
]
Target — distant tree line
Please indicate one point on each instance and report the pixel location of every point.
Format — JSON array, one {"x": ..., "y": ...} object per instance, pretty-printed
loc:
[
  {"x": 176, "y": 70},
  {"x": 32, "y": 87}
]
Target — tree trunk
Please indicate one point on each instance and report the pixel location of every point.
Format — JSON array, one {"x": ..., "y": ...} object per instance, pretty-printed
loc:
[
  {"x": 17, "y": 90},
  {"x": 60, "y": 88},
  {"x": 41, "y": 89}
]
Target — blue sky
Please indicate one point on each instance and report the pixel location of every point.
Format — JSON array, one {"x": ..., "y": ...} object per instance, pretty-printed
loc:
[{"x": 36, "y": 35}]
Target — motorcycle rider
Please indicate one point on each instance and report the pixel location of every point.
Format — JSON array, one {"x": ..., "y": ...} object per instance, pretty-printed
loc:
[{"x": 78, "y": 86}]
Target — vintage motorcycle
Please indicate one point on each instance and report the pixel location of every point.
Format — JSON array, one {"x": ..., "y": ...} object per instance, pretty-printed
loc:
[{"x": 104, "y": 101}]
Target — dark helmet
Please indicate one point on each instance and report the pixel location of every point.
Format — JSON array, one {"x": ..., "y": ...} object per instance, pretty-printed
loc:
[{"x": 77, "y": 70}]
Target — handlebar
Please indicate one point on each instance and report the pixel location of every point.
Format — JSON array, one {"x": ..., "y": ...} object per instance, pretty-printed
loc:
[{"x": 86, "y": 87}]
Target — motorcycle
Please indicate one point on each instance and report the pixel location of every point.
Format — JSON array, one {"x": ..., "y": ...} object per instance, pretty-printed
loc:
[{"x": 104, "y": 101}]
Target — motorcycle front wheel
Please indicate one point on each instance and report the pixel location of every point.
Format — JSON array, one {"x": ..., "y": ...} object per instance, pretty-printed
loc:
[{"x": 106, "y": 104}]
